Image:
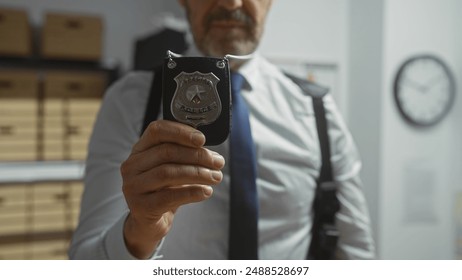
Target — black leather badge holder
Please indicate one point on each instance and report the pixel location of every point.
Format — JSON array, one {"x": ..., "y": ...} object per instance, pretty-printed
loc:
[{"x": 196, "y": 91}]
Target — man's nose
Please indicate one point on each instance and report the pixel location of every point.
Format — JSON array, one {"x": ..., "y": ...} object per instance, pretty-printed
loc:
[{"x": 230, "y": 4}]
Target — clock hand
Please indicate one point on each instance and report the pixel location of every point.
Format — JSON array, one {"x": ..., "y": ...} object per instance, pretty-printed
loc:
[
  {"x": 436, "y": 78},
  {"x": 413, "y": 84},
  {"x": 434, "y": 82}
]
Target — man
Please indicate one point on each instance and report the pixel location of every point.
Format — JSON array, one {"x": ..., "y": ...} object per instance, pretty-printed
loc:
[{"x": 151, "y": 197}]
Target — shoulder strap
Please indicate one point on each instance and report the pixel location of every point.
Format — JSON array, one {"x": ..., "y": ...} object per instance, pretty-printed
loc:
[
  {"x": 324, "y": 231},
  {"x": 154, "y": 100},
  {"x": 317, "y": 93}
]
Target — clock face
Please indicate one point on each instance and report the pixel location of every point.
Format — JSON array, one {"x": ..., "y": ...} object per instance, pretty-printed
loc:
[{"x": 424, "y": 90}]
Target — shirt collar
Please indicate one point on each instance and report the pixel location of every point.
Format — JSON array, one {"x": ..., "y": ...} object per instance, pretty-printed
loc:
[{"x": 248, "y": 70}]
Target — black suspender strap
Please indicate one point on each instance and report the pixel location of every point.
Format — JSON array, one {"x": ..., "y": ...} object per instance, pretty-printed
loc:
[
  {"x": 324, "y": 232},
  {"x": 154, "y": 100},
  {"x": 321, "y": 123},
  {"x": 326, "y": 205}
]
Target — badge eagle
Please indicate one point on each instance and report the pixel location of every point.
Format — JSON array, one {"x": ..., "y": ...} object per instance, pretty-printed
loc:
[{"x": 196, "y": 100}]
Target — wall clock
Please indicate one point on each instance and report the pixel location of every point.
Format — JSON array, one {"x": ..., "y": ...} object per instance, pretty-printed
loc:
[{"x": 424, "y": 90}]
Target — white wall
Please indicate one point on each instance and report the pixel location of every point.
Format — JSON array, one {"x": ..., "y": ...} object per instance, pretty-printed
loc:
[
  {"x": 430, "y": 30},
  {"x": 124, "y": 20},
  {"x": 458, "y": 104},
  {"x": 396, "y": 30},
  {"x": 365, "y": 91},
  {"x": 314, "y": 31}
]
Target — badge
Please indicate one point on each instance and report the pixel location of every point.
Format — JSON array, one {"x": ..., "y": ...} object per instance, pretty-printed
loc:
[
  {"x": 196, "y": 91},
  {"x": 196, "y": 101}
]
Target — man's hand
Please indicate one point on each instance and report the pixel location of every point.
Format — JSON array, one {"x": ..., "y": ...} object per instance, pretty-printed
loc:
[{"x": 168, "y": 167}]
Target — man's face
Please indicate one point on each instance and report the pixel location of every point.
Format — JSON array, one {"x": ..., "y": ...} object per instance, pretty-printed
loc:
[{"x": 223, "y": 27}]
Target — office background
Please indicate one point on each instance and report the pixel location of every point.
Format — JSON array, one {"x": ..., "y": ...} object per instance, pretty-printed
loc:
[{"x": 356, "y": 47}]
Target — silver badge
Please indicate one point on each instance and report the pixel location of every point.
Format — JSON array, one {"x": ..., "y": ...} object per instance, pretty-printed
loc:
[{"x": 196, "y": 101}]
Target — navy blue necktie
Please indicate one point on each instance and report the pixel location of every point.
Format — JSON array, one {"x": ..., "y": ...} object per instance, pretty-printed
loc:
[{"x": 243, "y": 231}]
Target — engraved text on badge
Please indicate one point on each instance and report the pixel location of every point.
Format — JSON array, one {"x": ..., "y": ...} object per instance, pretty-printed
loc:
[{"x": 196, "y": 101}]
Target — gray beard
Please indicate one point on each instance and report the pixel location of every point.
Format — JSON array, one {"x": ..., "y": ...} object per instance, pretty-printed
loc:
[{"x": 228, "y": 45}]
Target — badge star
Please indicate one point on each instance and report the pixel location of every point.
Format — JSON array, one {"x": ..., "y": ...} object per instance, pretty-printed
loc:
[{"x": 196, "y": 92}]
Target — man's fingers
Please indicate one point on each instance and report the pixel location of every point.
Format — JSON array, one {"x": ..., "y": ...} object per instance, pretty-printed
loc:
[
  {"x": 155, "y": 204},
  {"x": 163, "y": 131},
  {"x": 172, "y": 153},
  {"x": 173, "y": 175}
]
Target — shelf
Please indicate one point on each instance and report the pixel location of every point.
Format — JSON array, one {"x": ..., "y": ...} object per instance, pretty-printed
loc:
[
  {"x": 41, "y": 171},
  {"x": 34, "y": 237},
  {"x": 51, "y": 64}
]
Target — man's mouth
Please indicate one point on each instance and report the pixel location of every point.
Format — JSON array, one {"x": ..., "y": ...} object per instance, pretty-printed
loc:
[
  {"x": 222, "y": 18},
  {"x": 227, "y": 24}
]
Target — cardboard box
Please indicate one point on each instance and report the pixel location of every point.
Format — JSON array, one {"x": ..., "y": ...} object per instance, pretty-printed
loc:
[
  {"x": 13, "y": 209},
  {"x": 71, "y": 102},
  {"x": 49, "y": 250},
  {"x": 15, "y": 33},
  {"x": 72, "y": 37},
  {"x": 75, "y": 84},
  {"x": 14, "y": 251},
  {"x": 17, "y": 143},
  {"x": 18, "y": 115},
  {"x": 18, "y": 84}
]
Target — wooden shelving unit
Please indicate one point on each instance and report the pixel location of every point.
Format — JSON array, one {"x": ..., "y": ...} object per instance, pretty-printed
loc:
[{"x": 47, "y": 112}]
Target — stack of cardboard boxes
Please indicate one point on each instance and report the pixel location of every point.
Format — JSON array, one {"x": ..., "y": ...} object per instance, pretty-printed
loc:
[
  {"x": 39, "y": 120},
  {"x": 18, "y": 114},
  {"x": 46, "y": 113},
  {"x": 38, "y": 219}
]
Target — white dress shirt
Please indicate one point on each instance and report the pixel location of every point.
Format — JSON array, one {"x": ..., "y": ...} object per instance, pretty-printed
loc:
[{"x": 289, "y": 160}]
